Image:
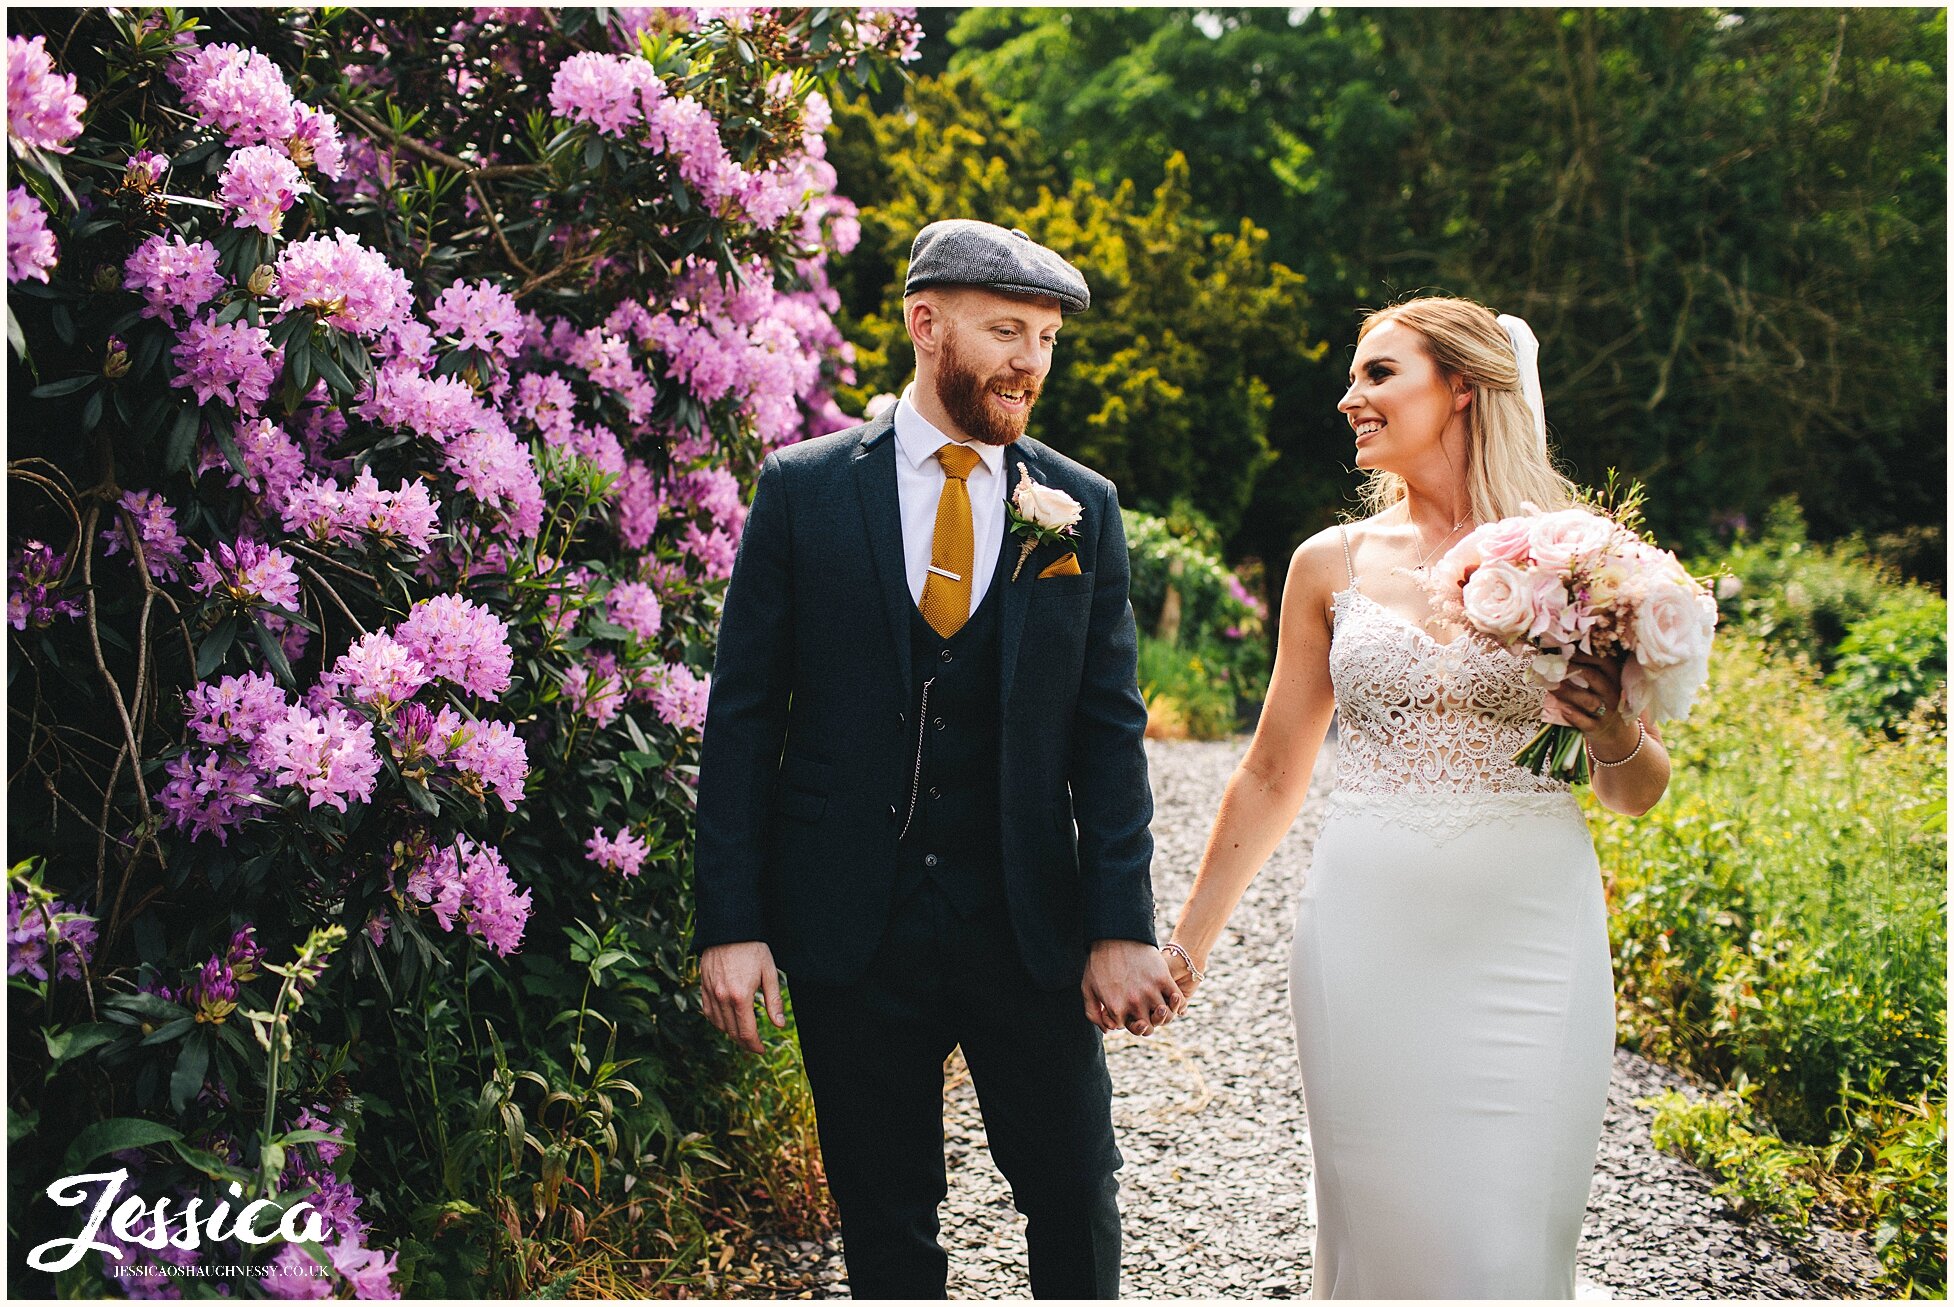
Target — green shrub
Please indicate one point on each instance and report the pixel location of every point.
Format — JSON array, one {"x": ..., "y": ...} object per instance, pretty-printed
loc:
[
  {"x": 1202, "y": 646},
  {"x": 1780, "y": 917},
  {"x": 1800, "y": 596},
  {"x": 1761, "y": 1172},
  {"x": 1892, "y": 660}
]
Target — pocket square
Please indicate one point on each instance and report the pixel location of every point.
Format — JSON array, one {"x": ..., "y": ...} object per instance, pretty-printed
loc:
[{"x": 1066, "y": 566}]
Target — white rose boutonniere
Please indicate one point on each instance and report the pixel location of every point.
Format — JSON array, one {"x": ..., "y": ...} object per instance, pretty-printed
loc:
[{"x": 1040, "y": 513}]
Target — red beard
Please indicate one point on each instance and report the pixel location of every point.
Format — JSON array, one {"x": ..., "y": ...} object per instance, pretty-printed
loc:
[{"x": 963, "y": 392}]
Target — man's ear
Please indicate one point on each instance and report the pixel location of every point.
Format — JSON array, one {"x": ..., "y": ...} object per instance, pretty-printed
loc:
[{"x": 925, "y": 320}]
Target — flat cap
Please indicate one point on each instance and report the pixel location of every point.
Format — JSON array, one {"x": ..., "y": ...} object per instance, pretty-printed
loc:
[{"x": 963, "y": 252}]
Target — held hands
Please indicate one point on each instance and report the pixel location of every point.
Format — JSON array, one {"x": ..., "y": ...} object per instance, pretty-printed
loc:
[
  {"x": 1127, "y": 986},
  {"x": 1590, "y": 700},
  {"x": 729, "y": 976}
]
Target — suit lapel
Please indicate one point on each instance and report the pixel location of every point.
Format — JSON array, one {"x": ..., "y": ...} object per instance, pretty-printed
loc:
[
  {"x": 875, "y": 486},
  {"x": 1017, "y": 594}
]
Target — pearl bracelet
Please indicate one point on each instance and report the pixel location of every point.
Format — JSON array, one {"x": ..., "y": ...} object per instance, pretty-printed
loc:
[
  {"x": 1174, "y": 947},
  {"x": 1641, "y": 737}
]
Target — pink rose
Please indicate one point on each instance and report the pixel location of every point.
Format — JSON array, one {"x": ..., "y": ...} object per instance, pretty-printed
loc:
[
  {"x": 1506, "y": 539},
  {"x": 1558, "y": 540},
  {"x": 1450, "y": 574},
  {"x": 1499, "y": 601},
  {"x": 1673, "y": 624}
]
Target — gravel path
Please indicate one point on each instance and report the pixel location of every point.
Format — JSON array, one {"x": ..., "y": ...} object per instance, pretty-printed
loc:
[{"x": 1210, "y": 1119}]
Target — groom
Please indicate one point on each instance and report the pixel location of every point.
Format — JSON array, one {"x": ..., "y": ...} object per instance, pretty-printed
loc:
[{"x": 923, "y": 793}]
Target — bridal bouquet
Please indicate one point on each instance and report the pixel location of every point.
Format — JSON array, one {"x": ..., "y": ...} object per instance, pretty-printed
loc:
[{"x": 1575, "y": 580}]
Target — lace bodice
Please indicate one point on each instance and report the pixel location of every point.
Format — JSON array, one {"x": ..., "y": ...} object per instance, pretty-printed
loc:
[{"x": 1414, "y": 715}]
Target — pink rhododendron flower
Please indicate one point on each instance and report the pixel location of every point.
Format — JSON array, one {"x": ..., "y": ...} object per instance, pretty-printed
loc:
[
  {"x": 43, "y": 111},
  {"x": 546, "y": 401},
  {"x": 31, "y": 250},
  {"x": 273, "y": 461},
  {"x": 479, "y": 315},
  {"x": 329, "y": 756},
  {"x": 346, "y": 284},
  {"x": 461, "y": 642},
  {"x": 33, "y": 928},
  {"x": 238, "y": 91},
  {"x": 623, "y": 853},
  {"x": 257, "y": 185},
  {"x": 495, "y": 756},
  {"x": 315, "y": 142},
  {"x": 680, "y": 700},
  {"x": 713, "y": 550},
  {"x": 163, "y": 546},
  {"x": 33, "y": 577},
  {"x": 174, "y": 276},
  {"x": 611, "y": 92},
  {"x": 231, "y": 361},
  {"x": 251, "y": 573},
  {"x": 377, "y": 670},
  {"x": 638, "y": 505},
  {"x": 234, "y": 710},
  {"x": 211, "y": 794},
  {"x": 634, "y": 606},
  {"x": 595, "y": 689},
  {"x": 330, "y": 513},
  {"x": 470, "y": 883},
  {"x": 497, "y": 469}
]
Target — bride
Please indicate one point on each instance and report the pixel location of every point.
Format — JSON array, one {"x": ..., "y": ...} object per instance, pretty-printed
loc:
[{"x": 1450, "y": 977}]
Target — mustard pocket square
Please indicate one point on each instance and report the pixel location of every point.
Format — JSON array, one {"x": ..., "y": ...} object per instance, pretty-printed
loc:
[{"x": 1066, "y": 566}]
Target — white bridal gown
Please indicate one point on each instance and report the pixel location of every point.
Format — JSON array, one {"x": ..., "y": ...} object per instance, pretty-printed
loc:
[{"x": 1450, "y": 978}]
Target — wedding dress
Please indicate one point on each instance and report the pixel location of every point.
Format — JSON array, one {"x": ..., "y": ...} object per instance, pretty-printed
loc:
[{"x": 1450, "y": 979}]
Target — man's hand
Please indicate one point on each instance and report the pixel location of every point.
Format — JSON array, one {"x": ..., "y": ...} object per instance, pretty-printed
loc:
[
  {"x": 729, "y": 976},
  {"x": 1127, "y": 985}
]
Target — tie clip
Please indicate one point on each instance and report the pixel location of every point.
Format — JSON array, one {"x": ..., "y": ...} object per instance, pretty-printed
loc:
[{"x": 943, "y": 572}]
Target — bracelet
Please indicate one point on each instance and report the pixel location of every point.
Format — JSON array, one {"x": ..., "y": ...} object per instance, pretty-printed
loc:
[
  {"x": 1641, "y": 737},
  {"x": 1174, "y": 947}
]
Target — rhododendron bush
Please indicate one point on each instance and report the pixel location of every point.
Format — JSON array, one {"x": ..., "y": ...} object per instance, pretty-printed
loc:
[{"x": 385, "y": 391}]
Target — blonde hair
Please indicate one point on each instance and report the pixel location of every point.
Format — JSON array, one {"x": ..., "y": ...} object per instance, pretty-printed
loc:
[{"x": 1505, "y": 465}]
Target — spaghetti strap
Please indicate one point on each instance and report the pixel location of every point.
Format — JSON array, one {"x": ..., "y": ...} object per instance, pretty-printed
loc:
[{"x": 1344, "y": 531}]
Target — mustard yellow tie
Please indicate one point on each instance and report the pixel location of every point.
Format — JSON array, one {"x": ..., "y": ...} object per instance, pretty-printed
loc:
[{"x": 946, "y": 588}]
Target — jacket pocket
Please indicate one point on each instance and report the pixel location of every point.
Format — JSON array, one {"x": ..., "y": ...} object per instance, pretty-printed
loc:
[
  {"x": 1049, "y": 587},
  {"x": 804, "y": 787}
]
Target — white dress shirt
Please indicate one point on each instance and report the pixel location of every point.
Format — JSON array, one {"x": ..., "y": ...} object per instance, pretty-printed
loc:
[{"x": 919, "y": 484}]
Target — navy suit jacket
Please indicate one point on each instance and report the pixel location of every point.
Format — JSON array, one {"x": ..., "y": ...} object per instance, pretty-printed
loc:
[{"x": 809, "y": 743}]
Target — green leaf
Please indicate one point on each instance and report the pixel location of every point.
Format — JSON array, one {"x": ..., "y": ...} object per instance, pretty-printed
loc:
[
  {"x": 311, "y": 1137},
  {"x": 91, "y": 412},
  {"x": 163, "y": 1034},
  {"x": 72, "y": 1043},
  {"x": 183, "y": 439},
  {"x": 210, "y": 654},
  {"x": 112, "y": 1136},
  {"x": 56, "y": 389},
  {"x": 188, "y": 1078},
  {"x": 222, "y": 431},
  {"x": 274, "y": 654}
]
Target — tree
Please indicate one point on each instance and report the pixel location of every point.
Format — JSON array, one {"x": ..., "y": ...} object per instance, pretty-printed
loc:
[{"x": 1162, "y": 384}]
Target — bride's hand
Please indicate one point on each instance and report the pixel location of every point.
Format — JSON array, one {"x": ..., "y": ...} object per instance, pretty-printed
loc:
[
  {"x": 1183, "y": 977},
  {"x": 1590, "y": 700}
]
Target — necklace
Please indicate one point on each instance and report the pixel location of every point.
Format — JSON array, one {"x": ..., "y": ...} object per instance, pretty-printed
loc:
[{"x": 1419, "y": 566}]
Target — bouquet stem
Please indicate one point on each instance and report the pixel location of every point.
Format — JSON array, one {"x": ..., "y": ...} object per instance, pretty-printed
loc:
[{"x": 1555, "y": 751}]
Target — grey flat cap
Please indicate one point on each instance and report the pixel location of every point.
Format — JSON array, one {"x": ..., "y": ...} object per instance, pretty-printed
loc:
[{"x": 962, "y": 252}]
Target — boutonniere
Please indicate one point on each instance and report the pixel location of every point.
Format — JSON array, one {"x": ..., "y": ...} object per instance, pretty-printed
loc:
[{"x": 1041, "y": 513}]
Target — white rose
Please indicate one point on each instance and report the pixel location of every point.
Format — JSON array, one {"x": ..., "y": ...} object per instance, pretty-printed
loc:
[
  {"x": 1044, "y": 505},
  {"x": 1673, "y": 624},
  {"x": 1499, "y": 601},
  {"x": 1666, "y": 694}
]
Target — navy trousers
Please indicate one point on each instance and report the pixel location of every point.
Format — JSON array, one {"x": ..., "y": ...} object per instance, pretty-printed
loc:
[{"x": 874, "y": 1053}]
